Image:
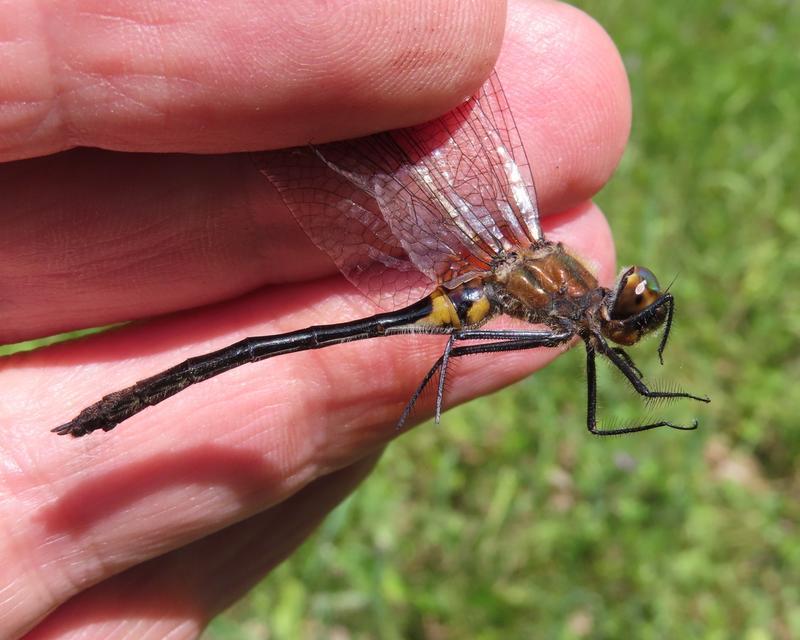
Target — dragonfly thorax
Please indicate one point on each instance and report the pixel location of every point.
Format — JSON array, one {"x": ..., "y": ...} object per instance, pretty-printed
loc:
[{"x": 543, "y": 282}]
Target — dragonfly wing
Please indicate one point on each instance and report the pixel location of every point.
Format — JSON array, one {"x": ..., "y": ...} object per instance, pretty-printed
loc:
[
  {"x": 471, "y": 164},
  {"x": 451, "y": 194},
  {"x": 346, "y": 223},
  {"x": 455, "y": 192},
  {"x": 516, "y": 176}
]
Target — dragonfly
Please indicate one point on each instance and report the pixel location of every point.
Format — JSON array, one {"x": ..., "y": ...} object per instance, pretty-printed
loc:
[{"x": 440, "y": 220}]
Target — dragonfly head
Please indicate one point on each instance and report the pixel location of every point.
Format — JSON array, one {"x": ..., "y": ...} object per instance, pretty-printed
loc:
[{"x": 636, "y": 307}]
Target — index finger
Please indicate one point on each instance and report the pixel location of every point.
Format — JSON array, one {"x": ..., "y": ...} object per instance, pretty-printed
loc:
[{"x": 197, "y": 77}]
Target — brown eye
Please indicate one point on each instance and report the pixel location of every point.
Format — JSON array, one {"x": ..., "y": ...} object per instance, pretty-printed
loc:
[{"x": 638, "y": 288}]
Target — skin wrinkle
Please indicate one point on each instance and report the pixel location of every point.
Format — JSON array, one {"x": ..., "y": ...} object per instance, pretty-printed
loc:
[
  {"x": 296, "y": 369},
  {"x": 123, "y": 95},
  {"x": 10, "y": 591},
  {"x": 361, "y": 363},
  {"x": 309, "y": 446},
  {"x": 153, "y": 261},
  {"x": 300, "y": 442},
  {"x": 142, "y": 20},
  {"x": 63, "y": 123},
  {"x": 90, "y": 568},
  {"x": 43, "y": 591},
  {"x": 327, "y": 444},
  {"x": 70, "y": 132},
  {"x": 276, "y": 488},
  {"x": 118, "y": 86},
  {"x": 208, "y": 587},
  {"x": 104, "y": 572},
  {"x": 27, "y": 117},
  {"x": 22, "y": 598},
  {"x": 37, "y": 123},
  {"x": 339, "y": 482}
]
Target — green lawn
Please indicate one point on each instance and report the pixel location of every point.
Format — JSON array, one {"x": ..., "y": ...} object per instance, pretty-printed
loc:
[{"x": 502, "y": 524}]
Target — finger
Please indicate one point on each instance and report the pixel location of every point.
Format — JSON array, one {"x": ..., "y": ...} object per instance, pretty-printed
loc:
[
  {"x": 201, "y": 77},
  {"x": 106, "y": 237},
  {"x": 92, "y": 238},
  {"x": 221, "y": 450},
  {"x": 572, "y": 106},
  {"x": 182, "y": 590}
]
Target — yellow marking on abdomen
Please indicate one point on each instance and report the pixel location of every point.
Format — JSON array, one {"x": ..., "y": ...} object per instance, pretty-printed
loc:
[
  {"x": 443, "y": 313},
  {"x": 479, "y": 310}
]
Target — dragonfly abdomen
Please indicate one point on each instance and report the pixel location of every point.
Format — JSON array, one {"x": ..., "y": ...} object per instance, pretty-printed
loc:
[
  {"x": 442, "y": 309},
  {"x": 467, "y": 305}
]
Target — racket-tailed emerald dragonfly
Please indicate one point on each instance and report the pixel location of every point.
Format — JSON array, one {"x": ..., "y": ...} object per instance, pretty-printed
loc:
[{"x": 445, "y": 211}]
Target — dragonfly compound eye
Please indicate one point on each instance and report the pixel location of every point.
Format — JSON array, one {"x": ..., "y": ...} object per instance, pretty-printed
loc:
[
  {"x": 637, "y": 307},
  {"x": 638, "y": 289}
]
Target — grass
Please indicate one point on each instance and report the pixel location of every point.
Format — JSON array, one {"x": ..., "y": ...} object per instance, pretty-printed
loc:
[{"x": 509, "y": 521}]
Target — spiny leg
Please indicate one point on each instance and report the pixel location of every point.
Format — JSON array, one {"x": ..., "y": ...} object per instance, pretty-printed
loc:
[
  {"x": 625, "y": 364},
  {"x": 629, "y": 370},
  {"x": 591, "y": 408},
  {"x": 442, "y": 375},
  {"x": 509, "y": 341},
  {"x": 417, "y": 393},
  {"x": 670, "y": 302},
  {"x": 628, "y": 360}
]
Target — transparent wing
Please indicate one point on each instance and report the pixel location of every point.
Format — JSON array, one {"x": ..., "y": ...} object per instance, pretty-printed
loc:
[
  {"x": 433, "y": 203},
  {"x": 346, "y": 223}
]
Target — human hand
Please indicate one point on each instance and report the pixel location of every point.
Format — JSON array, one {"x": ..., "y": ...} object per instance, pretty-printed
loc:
[{"x": 167, "y": 520}]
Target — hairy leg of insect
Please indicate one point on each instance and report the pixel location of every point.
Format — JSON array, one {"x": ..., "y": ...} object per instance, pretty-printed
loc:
[
  {"x": 442, "y": 374},
  {"x": 417, "y": 393},
  {"x": 670, "y": 302},
  {"x": 506, "y": 341},
  {"x": 628, "y": 360},
  {"x": 630, "y": 371},
  {"x": 625, "y": 364}
]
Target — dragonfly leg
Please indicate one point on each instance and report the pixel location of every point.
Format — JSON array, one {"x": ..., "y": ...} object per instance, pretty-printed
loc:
[
  {"x": 504, "y": 341},
  {"x": 445, "y": 360},
  {"x": 628, "y": 360},
  {"x": 669, "y": 301},
  {"x": 629, "y": 370},
  {"x": 418, "y": 392},
  {"x": 625, "y": 364}
]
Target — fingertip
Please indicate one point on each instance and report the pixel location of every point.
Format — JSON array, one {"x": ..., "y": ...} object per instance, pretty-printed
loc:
[{"x": 573, "y": 107}]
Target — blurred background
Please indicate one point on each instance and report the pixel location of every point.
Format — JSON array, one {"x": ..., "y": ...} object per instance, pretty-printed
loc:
[{"x": 508, "y": 520}]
